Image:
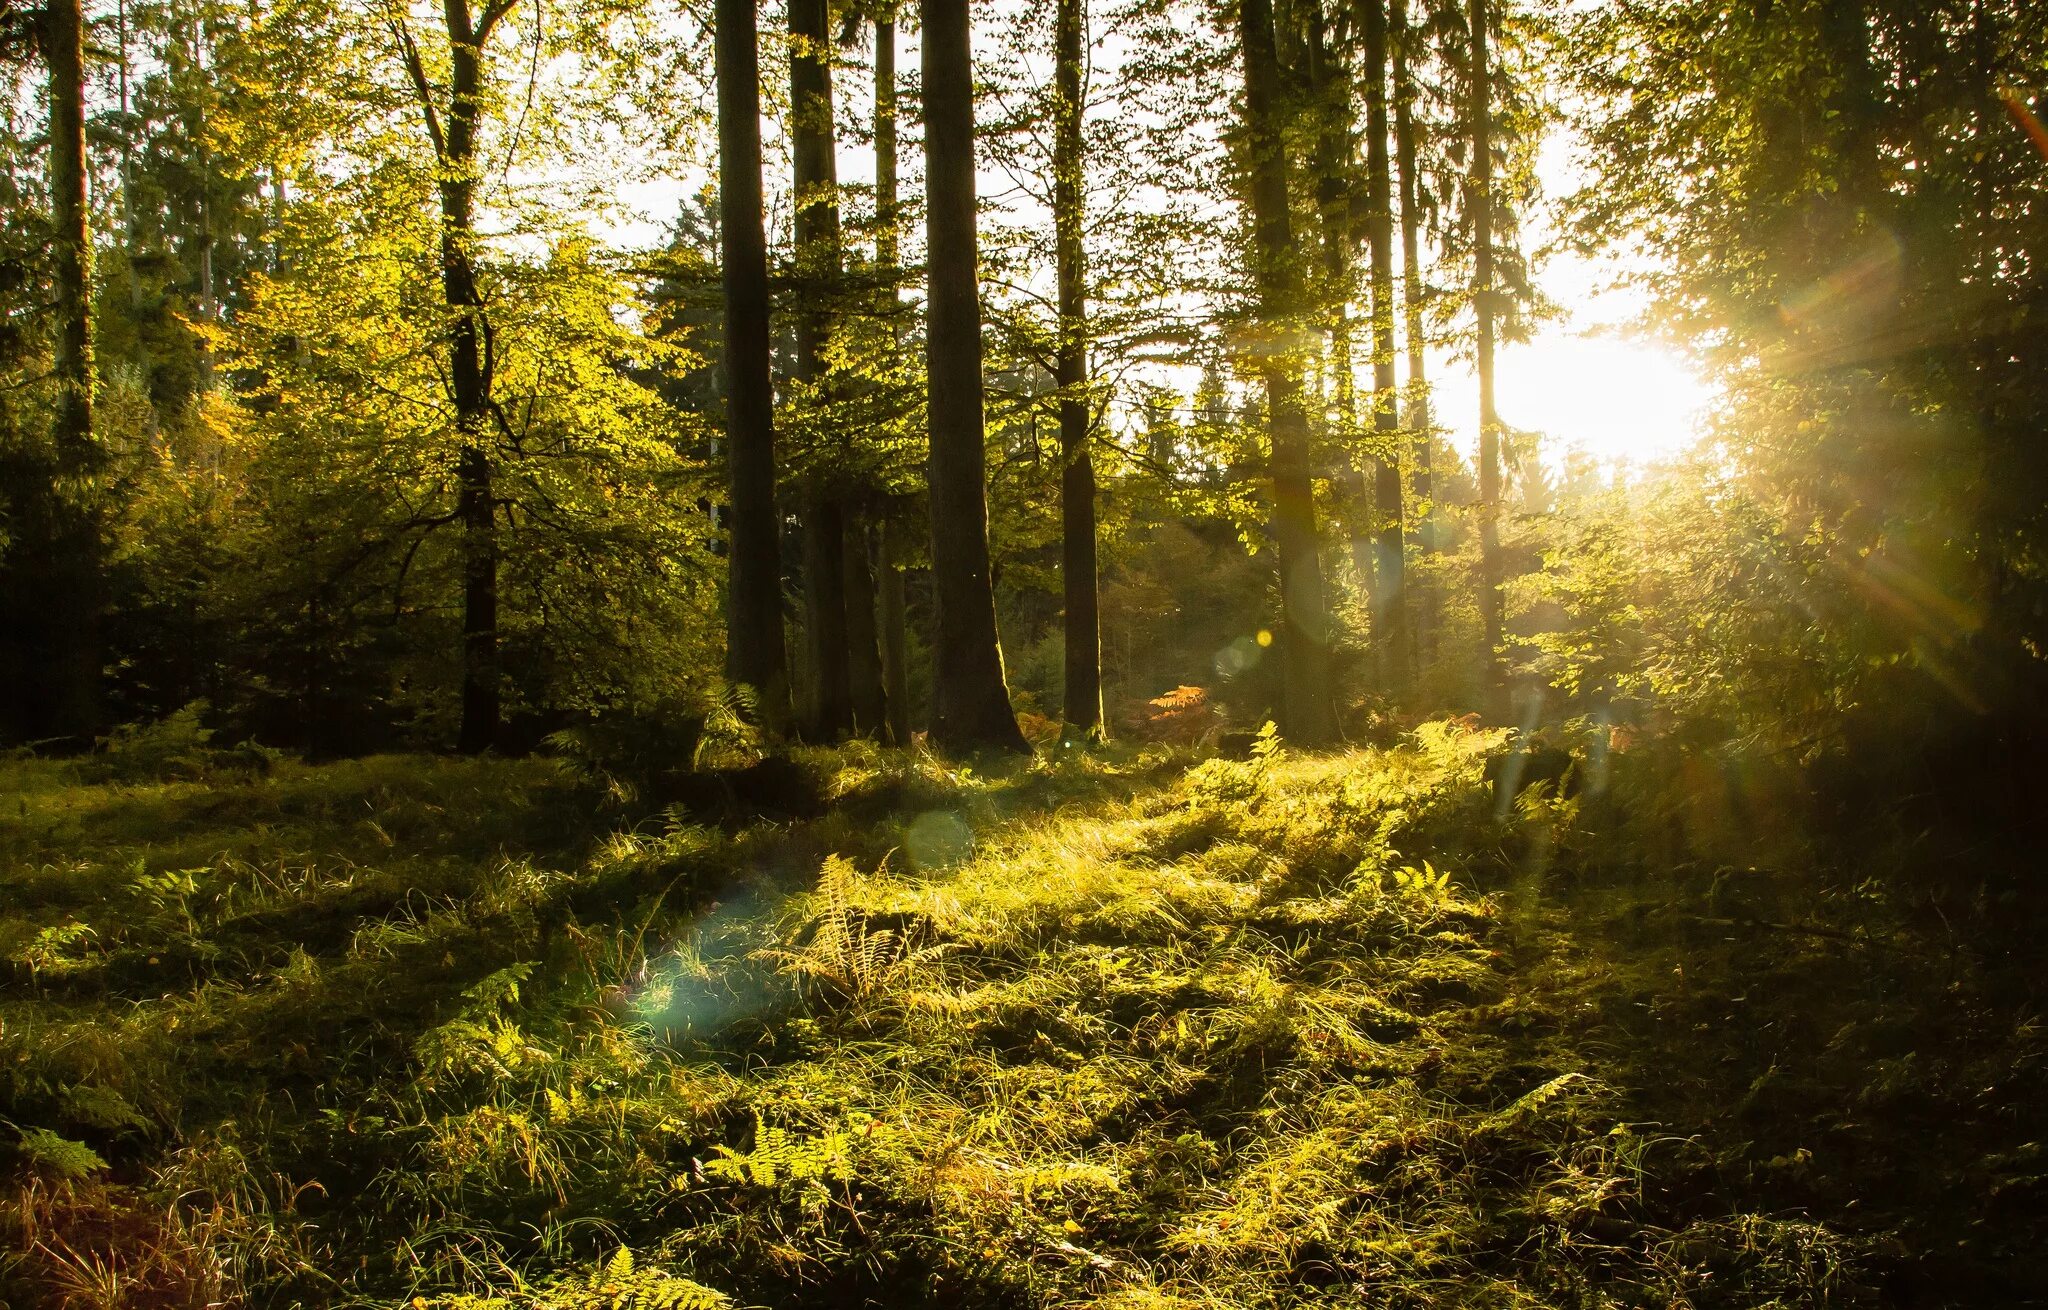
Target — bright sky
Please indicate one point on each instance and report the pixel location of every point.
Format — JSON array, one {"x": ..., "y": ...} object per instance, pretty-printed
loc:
[{"x": 1585, "y": 380}]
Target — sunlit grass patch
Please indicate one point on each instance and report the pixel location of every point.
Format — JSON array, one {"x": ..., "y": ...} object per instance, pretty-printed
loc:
[{"x": 1118, "y": 1036}]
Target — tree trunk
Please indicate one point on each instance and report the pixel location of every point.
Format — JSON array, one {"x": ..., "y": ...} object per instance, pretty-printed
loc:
[
  {"x": 1082, "y": 700},
  {"x": 63, "y": 696},
  {"x": 863, "y": 649},
  {"x": 469, "y": 376},
  {"x": 1390, "y": 572},
  {"x": 1481, "y": 200},
  {"x": 1308, "y": 711},
  {"x": 1330, "y": 85},
  {"x": 888, "y": 215},
  {"x": 971, "y": 704},
  {"x": 826, "y": 622},
  {"x": 1423, "y": 478},
  {"x": 895, "y": 636},
  {"x": 754, "y": 652},
  {"x": 895, "y": 633}
]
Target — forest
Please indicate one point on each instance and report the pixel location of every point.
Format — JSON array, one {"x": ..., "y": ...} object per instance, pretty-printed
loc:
[{"x": 1141, "y": 654}]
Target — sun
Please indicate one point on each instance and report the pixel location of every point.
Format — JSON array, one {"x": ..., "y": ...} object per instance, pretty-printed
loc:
[{"x": 1619, "y": 398}]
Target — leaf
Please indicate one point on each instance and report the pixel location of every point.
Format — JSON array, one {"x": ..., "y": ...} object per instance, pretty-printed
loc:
[{"x": 60, "y": 1155}]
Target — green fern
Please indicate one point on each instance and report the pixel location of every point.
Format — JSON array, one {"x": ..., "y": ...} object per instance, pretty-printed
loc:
[
  {"x": 1426, "y": 885},
  {"x": 59, "y": 1156},
  {"x": 780, "y": 1156},
  {"x": 621, "y": 1283},
  {"x": 729, "y": 730},
  {"x": 843, "y": 953}
]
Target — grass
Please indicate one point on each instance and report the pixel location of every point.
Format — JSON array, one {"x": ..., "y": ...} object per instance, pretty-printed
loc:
[{"x": 1111, "y": 1031}]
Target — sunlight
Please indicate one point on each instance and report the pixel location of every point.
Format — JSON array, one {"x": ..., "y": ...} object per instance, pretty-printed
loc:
[{"x": 1618, "y": 398}]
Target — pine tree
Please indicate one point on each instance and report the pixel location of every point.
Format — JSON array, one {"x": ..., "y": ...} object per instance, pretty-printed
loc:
[
  {"x": 1480, "y": 201},
  {"x": 755, "y": 653},
  {"x": 971, "y": 703},
  {"x": 1083, "y": 624},
  {"x": 1309, "y": 711}
]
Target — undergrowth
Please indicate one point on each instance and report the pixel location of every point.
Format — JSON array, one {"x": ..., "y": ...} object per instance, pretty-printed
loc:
[{"x": 1109, "y": 1031}]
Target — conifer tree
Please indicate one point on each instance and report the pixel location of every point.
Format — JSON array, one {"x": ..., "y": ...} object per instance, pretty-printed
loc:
[
  {"x": 827, "y": 667},
  {"x": 1480, "y": 200},
  {"x": 755, "y": 653},
  {"x": 1403, "y": 39},
  {"x": 1390, "y": 601},
  {"x": 970, "y": 701},
  {"x": 1083, "y": 625},
  {"x": 1309, "y": 712},
  {"x": 891, "y": 548}
]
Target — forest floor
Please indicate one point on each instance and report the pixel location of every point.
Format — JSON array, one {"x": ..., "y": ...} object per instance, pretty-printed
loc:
[{"x": 1124, "y": 1029}]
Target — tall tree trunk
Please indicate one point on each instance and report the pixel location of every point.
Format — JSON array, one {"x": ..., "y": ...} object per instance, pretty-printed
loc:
[
  {"x": 863, "y": 638},
  {"x": 888, "y": 211},
  {"x": 754, "y": 651},
  {"x": 817, "y": 261},
  {"x": 895, "y": 633},
  {"x": 1390, "y": 572},
  {"x": 1481, "y": 200},
  {"x": 971, "y": 704},
  {"x": 1330, "y": 85},
  {"x": 1082, "y": 700},
  {"x": 1423, "y": 478},
  {"x": 1307, "y": 708},
  {"x": 68, "y": 686},
  {"x": 469, "y": 373}
]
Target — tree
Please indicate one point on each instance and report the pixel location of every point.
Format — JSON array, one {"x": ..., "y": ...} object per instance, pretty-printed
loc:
[
  {"x": 755, "y": 654},
  {"x": 1390, "y": 600},
  {"x": 1309, "y": 712},
  {"x": 1418, "y": 419},
  {"x": 1330, "y": 87},
  {"x": 453, "y": 129},
  {"x": 895, "y": 633},
  {"x": 828, "y": 702},
  {"x": 52, "y": 566},
  {"x": 1082, "y": 702},
  {"x": 971, "y": 703},
  {"x": 1480, "y": 199}
]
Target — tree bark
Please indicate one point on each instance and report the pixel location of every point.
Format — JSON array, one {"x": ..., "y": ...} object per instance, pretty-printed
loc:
[
  {"x": 895, "y": 636},
  {"x": 826, "y": 623},
  {"x": 1390, "y": 572},
  {"x": 1308, "y": 711},
  {"x": 1423, "y": 477},
  {"x": 63, "y": 696},
  {"x": 1082, "y": 699},
  {"x": 1481, "y": 200},
  {"x": 888, "y": 213},
  {"x": 1330, "y": 85},
  {"x": 863, "y": 638},
  {"x": 895, "y": 632},
  {"x": 469, "y": 375},
  {"x": 755, "y": 655},
  {"x": 971, "y": 704}
]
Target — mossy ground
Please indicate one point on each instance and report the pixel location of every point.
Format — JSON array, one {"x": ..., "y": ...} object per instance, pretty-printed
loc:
[{"x": 1120, "y": 1029}]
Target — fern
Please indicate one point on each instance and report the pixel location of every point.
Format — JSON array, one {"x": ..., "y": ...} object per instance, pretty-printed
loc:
[
  {"x": 622, "y": 1283},
  {"x": 729, "y": 726},
  {"x": 1425, "y": 885},
  {"x": 780, "y": 1156},
  {"x": 59, "y": 1156},
  {"x": 844, "y": 952}
]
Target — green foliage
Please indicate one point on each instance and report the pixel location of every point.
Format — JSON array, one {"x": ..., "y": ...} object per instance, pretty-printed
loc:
[
  {"x": 1154, "y": 1033},
  {"x": 620, "y": 1283},
  {"x": 59, "y": 1156}
]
